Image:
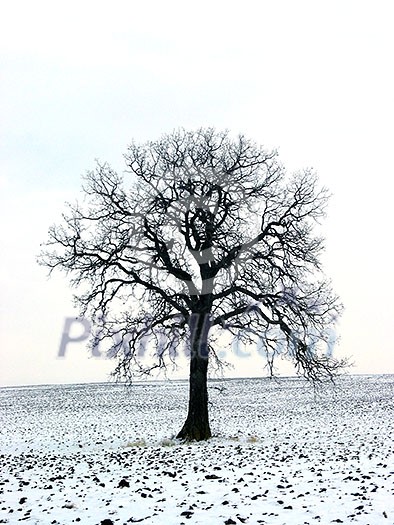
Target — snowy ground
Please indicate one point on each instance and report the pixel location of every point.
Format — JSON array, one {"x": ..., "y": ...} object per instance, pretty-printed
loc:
[{"x": 102, "y": 454}]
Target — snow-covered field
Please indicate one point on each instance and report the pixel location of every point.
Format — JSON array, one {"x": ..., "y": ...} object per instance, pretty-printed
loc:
[{"x": 102, "y": 454}]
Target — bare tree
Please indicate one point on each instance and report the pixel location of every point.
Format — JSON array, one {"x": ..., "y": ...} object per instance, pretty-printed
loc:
[{"x": 202, "y": 234}]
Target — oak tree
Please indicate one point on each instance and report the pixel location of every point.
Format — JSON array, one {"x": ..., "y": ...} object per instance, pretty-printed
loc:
[{"x": 202, "y": 234}]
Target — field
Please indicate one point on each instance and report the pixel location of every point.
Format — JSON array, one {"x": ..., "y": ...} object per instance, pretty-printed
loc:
[{"x": 281, "y": 454}]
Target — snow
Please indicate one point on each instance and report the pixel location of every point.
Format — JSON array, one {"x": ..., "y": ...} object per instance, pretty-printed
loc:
[{"x": 104, "y": 453}]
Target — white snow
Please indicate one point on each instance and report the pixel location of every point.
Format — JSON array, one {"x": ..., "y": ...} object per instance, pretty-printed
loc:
[{"x": 281, "y": 455}]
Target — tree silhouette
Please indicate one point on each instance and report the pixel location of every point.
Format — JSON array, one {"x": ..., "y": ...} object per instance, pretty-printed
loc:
[{"x": 202, "y": 234}]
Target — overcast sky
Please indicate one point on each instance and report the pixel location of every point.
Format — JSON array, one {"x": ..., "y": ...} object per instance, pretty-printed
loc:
[{"x": 81, "y": 80}]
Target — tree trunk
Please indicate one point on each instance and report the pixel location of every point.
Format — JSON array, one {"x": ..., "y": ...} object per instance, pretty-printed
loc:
[{"x": 196, "y": 426}]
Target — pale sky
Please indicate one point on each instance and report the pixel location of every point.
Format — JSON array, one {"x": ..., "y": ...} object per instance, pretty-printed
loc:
[{"x": 81, "y": 80}]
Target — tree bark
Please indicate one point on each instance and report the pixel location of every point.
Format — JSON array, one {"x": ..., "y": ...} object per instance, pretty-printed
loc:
[{"x": 196, "y": 426}]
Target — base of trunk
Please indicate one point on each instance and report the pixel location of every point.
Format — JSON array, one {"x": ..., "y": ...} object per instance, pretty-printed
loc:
[{"x": 194, "y": 431}]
